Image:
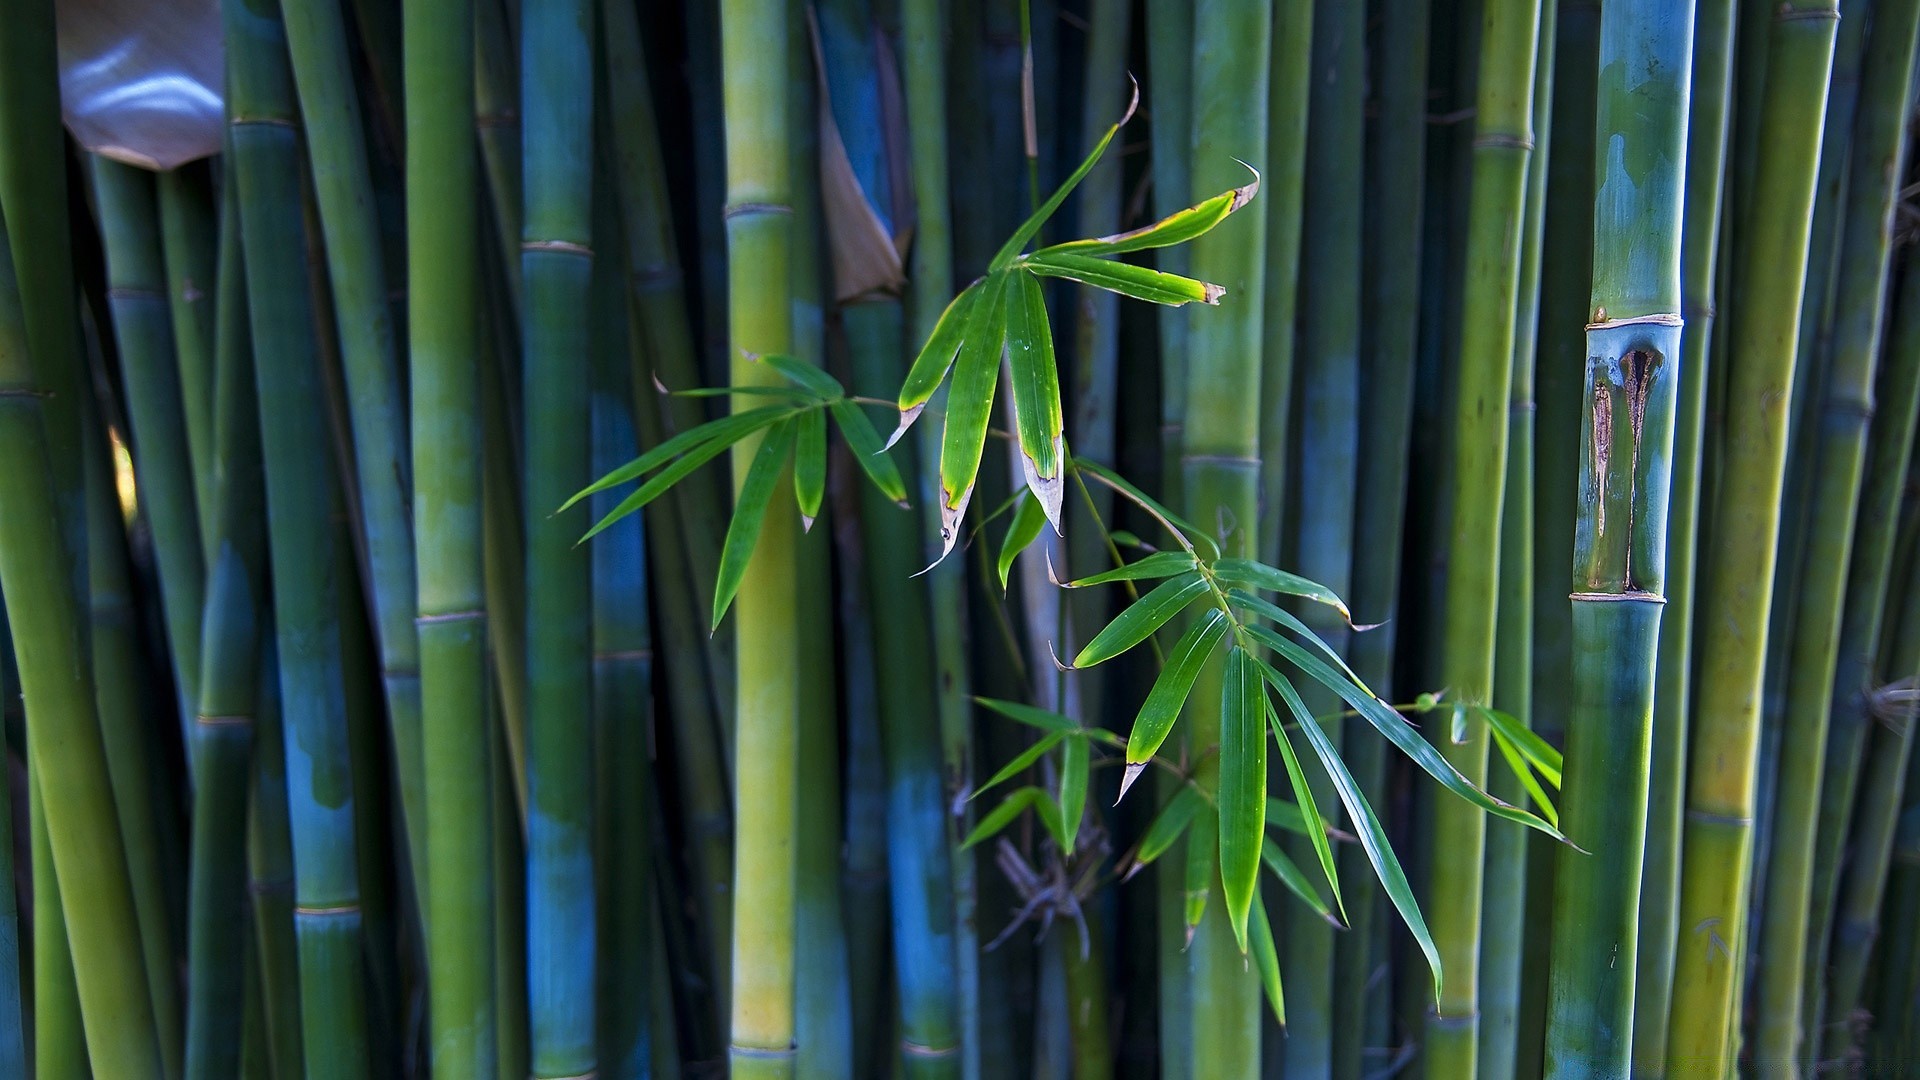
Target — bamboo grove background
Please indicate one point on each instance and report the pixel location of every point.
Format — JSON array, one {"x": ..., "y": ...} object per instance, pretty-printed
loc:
[{"x": 334, "y": 751}]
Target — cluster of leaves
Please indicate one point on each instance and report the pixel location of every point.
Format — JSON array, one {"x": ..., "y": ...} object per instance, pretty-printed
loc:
[
  {"x": 795, "y": 430},
  {"x": 1224, "y": 601}
]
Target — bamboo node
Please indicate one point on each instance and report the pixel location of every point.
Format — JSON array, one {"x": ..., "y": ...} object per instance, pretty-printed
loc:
[
  {"x": 1789, "y": 13},
  {"x": 323, "y": 910},
  {"x": 22, "y": 392},
  {"x": 762, "y": 1053},
  {"x": 261, "y": 121},
  {"x": 450, "y": 616},
  {"x": 123, "y": 292},
  {"x": 1503, "y": 139},
  {"x": 1639, "y": 595},
  {"x": 1601, "y": 322},
  {"x": 1707, "y": 817},
  {"x": 914, "y": 1049},
  {"x": 565, "y": 246},
  {"x": 747, "y": 209},
  {"x": 222, "y": 721}
]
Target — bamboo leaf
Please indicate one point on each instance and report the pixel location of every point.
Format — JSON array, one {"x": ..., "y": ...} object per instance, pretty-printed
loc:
[
  {"x": 1266, "y": 959},
  {"x": 1142, "y": 618},
  {"x": 1255, "y": 575},
  {"x": 808, "y": 377},
  {"x": 1035, "y": 387},
  {"x": 1158, "y": 565},
  {"x": 1166, "y": 827},
  {"x": 1028, "y": 715},
  {"x": 790, "y": 393},
  {"x": 658, "y": 484},
  {"x": 1243, "y": 787},
  {"x": 1023, "y": 761},
  {"x": 1401, "y": 734},
  {"x": 725, "y": 432},
  {"x": 1524, "y": 773},
  {"x": 1138, "y": 282},
  {"x": 929, "y": 369},
  {"x": 970, "y": 407},
  {"x": 810, "y": 464},
  {"x": 1004, "y": 815},
  {"x": 1312, "y": 822},
  {"x": 1373, "y": 839},
  {"x": 1162, "y": 707},
  {"x": 1282, "y": 814},
  {"x": 1538, "y": 752},
  {"x": 1183, "y": 530},
  {"x": 867, "y": 451},
  {"x": 1022, "y": 531},
  {"x": 1074, "y": 765},
  {"x": 1262, "y": 607},
  {"x": 1296, "y": 881},
  {"x": 1018, "y": 241},
  {"x": 1176, "y": 228},
  {"x": 1202, "y": 847},
  {"x": 749, "y": 512}
]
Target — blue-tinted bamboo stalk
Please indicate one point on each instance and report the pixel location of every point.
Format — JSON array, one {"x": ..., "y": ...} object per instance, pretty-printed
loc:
[
  {"x": 556, "y": 260},
  {"x": 1502, "y": 146},
  {"x": 930, "y": 286},
  {"x": 504, "y": 551},
  {"x": 1717, "y": 839},
  {"x": 864, "y": 881},
  {"x": 1220, "y": 464},
  {"x": 294, "y": 449},
  {"x": 754, "y": 41},
  {"x": 64, "y": 740},
  {"x": 1503, "y": 916},
  {"x": 235, "y": 614},
  {"x": 270, "y": 874},
  {"x": 188, "y": 227},
  {"x": 59, "y": 1044},
  {"x": 1707, "y": 126},
  {"x": 356, "y": 273},
  {"x": 510, "y": 1029},
  {"x": 1840, "y": 444},
  {"x": 442, "y": 285}
]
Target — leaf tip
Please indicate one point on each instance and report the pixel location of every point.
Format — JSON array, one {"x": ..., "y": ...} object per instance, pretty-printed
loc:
[
  {"x": 1213, "y": 293},
  {"x": 1133, "y": 771},
  {"x": 806, "y": 523},
  {"x": 1056, "y": 659},
  {"x": 907, "y": 417},
  {"x": 1244, "y": 194}
]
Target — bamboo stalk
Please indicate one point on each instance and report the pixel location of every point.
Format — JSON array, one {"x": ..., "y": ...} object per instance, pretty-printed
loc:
[
  {"x": 766, "y": 751},
  {"x": 1502, "y": 146},
  {"x": 13, "y": 1017},
  {"x": 1717, "y": 839},
  {"x": 189, "y": 244},
  {"x": 59, "y": 1044},
  {"x": 1840, "y": 445},
  {"x": 270, "y": 874},
  {"x": 442, "y": 218},
  {"x": 1220, "y": 466}
]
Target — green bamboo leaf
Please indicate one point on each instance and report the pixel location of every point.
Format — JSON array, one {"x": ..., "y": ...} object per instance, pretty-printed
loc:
[
  {"x": 970, "y": 407},
  {"x": 1540, "y": 753},
  {"x": 867, "y": 451},
  {"x": 1202, "y": 847},
  {"x": 1162, "y": 707},
  {"x": 1524, "y": 773},
  {"x": 808, "y": 377},
  {"x": 658, "y": 484},
  {"x": 929, "y": 369},
  {"x": 1183, "y": 530},
  {"x": 1158, "y": 565},
  {"x": 1023, "y": 761},
  {"x": 810, "y": 464},
  {"x": 790, "y": 393},
  {"x": 1176, "y": 228},
  {"x": 1255, "y": 575},
  {"x": 1035, "y": 386},
  {"x": 1031, "y": 226},
  {"x": 1373, "y": 839},
  {"x": 1028, "y": 715},
  {"x": 1285, "y": 815},
  {"x": 1138, "y": 282},
  {"x": 1075, "y": 761},
  {"x": 1004, "y": 815},
  {"x": 1243, "y": 787},
  {"x": 1266, "y": 959},
  {"x": 1022, "y": 531},
  {"x": 1260, "y": 606},
  {"x": 1166, "y": 827},
  {"x": 1297, "y": 882},
  {"x": 1311, "y": 820},
  {"x": 724, "y": 432},
  {"x": 1401, "y": 734},
  {"x": 1139, "y": 621},
  {"x": 749, "y": 512}
]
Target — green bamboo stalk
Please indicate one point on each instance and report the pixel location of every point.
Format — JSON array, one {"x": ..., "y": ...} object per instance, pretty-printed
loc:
[
  {"x": 766, "y": 752},
  {"x": 230, "y": 694},
  {"x": 69, "y": 759},
  {"x": 1840, "y": 444},
  {"x": 13, "y": 1017},
  {"x": 270, "y": 874},
  {"x": 496, "y": 119},
  {"x": 356, "y": 272},
  {"x": 556, "y": 258},
  {"x": 1220, "y": 465},
  {"x": 188, "y": 225},
  {"x": 1717, "y": 840},
  {"x": 1503, "y": 916},
  {"x": 930, "y": 286},
  {"x": 442, "y": 218},
  {"x": 294, "y": 446},
  {"x": 1087, "y": 995},
  {"x": 1502, "y": 146},
  {"x": 1329, "y": 272},
  {"x": 59, "y": 1044},
  {"x": 1857, "y": 917},
  {"x": 1699, "y": 244},
  {"x": 504, "y": 549}
]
